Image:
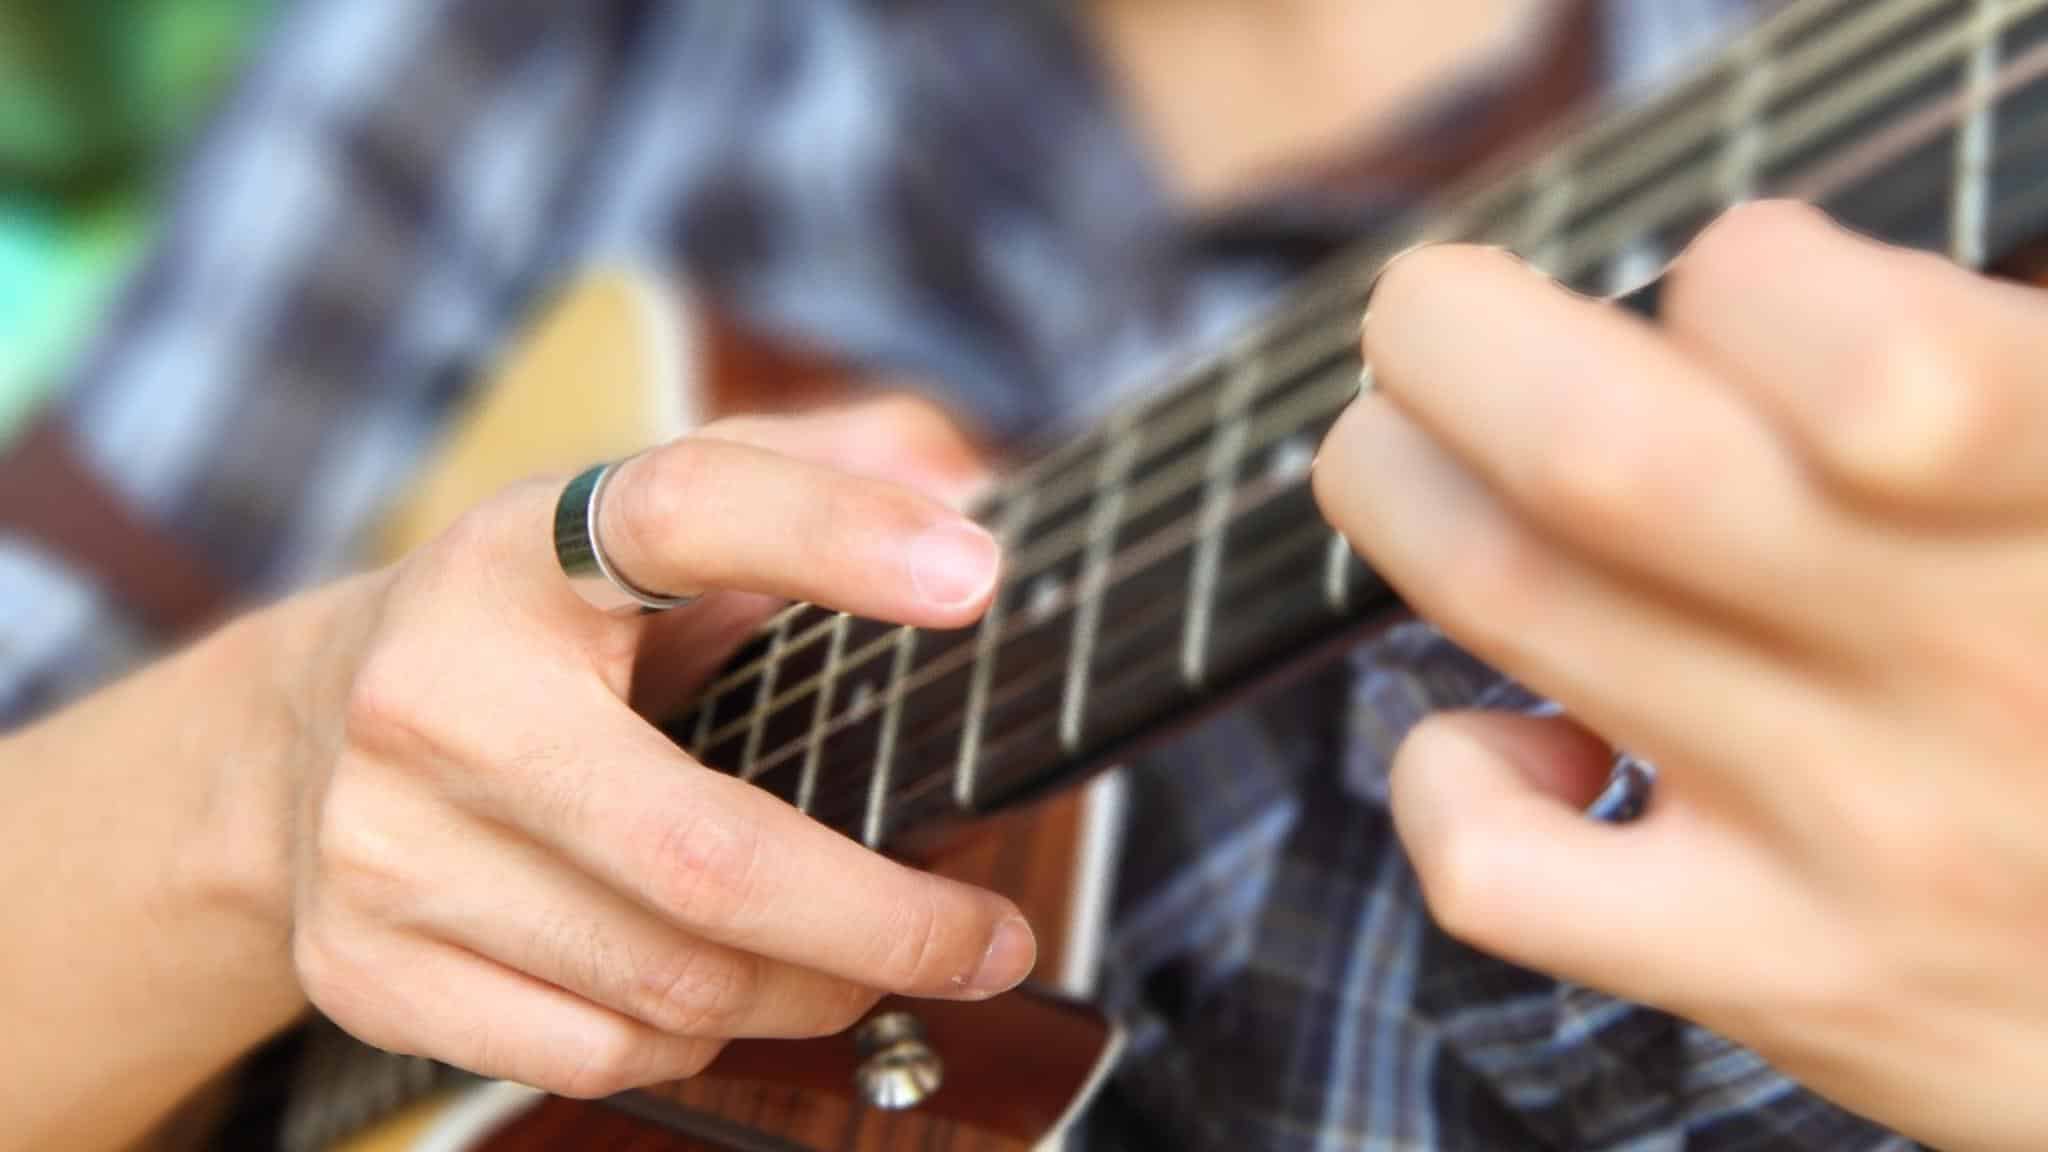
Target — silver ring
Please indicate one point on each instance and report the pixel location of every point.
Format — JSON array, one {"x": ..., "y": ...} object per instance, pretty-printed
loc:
[{"x": 590, "y": 572}]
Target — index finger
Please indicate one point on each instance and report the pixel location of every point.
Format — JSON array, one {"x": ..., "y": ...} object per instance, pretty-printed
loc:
[{"x": 706, "y": 512}]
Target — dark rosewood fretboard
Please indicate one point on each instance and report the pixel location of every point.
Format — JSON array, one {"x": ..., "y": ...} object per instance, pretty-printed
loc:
[{"x": 1175, "y": 553}]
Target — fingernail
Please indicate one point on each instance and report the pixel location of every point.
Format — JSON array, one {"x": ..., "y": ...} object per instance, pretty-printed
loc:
[
  {"x": 1011, "y": 953},
  {"x": 954, "y": 563}
]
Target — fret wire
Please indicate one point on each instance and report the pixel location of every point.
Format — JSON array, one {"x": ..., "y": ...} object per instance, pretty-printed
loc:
[
  {"x": 1791, "y": 20},
  {"x": 1743, "y": 123},
  {"x": 700, "y": 738},
  {"x": 2026, "y": 137},
  {"x": 1095, "y": 561},
  {"x": 1227, "y": 450},
  {"x": 1291, "y": 543},
  {"x": 1858, "y": 162},
  {"x": 1322, "y": 341},
  {"x": 1869, "y": 24},
  {"x": 1337, "y": 574},
  {"x": 807, "y": 785},
  {"x": 1016, "y": 519},
  {"x": 2034, "y": 197},
  {"x": 1689, "y": 130},
  {"x": 1674, "y": 132},
  {"x": 1668, "y": 204},
  {"x": 1172, "y": 482},
  {"x": 1057, "y": 549},
  {"x": 1159, "y": 488},
  {"x": 2032, "y": 202},
  {"x": 1866, "y": 91},
  {"x": 1351, "y": 270},
  {"x": 1866, "y": 28},
  {"x": 885, "y": 744},
  {"x": 1165, "y": 484},
  {"x": 1682, "y": 193},
  {"x": 740, "y": 677},
  {"x": 1550, "y": 206},
  {"x": 1257, "y": 565},
  {"x": 1249, "y": 498},
  {"x": 758, "y": 721},
  {"x": 1270, "y": 438},
  {"x": 1970, "y": 200}
]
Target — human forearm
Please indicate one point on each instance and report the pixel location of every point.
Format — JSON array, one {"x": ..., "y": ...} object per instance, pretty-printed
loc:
[{"x": 148, "y": 831}]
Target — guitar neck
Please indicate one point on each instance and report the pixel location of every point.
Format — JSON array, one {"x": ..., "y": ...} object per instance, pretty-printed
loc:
[{"x": 1174, "y": 554}]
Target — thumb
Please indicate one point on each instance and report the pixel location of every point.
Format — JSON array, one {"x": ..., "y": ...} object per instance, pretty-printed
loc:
[{"x": 1489, "y": 806}]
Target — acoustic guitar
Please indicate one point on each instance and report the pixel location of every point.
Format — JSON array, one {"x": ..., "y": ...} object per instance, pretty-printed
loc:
[{"x": 1172, "y": 558}]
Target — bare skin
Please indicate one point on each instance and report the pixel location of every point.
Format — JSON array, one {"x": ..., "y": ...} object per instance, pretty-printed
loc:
[
  {"x": 313, "y": 804},
  {"x": 420, "y": 801},
  {"x": 1789, "y": 548},
  {"x": 1230, "y": 95}
]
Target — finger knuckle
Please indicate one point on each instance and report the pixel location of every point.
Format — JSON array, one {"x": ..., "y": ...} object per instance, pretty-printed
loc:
[
  {"x": 471, "y": 536},
  {"x": 335, "y": 980},
  {"x": 1728, "y": 252},
  {"x": 357, "y": 857},
  {"x": 1406, "y": 282},
  {"x": 695, "y": 1059},
  {"x": 672, "y": 483},
  {"x": 901, "y": 419},
  {"x": 383, "y": 711},
  {"x": 1495, "y": 580},
  {"x": 912, "y": 954},
  {"x": 668, "y": 488},
  {"x": 1331, "y": 480},
  {"x": 607, "y": 1063},
  {"x": 704, "y": 867},
  {"x": 847, "y": 1005},
  {"x": 1909, "y": 411},
  {"x": 697, "y": 992},
  {"x": 838, "y": 525},
  {"x": 1598, "y": 474},
  {"x": 1460, "y": 883}
]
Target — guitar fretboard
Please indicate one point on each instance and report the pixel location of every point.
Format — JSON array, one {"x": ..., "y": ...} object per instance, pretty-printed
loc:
[{"x": 1175, "y": 553}]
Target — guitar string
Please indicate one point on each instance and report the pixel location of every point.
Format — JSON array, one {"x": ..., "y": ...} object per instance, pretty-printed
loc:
[
  {"x": 1140, "y": 556},
  {"x": 1921, "y": 199},
  {"x": 2023, "y": 204},
  {"x": 1784, "y": 22},
  {"x": 912, "y": 687},
  {"x": 1305, "y": 538},
  {"x": 1580, "y": 134},
  {"x": 1313, "y": 299},
  {"x": 1151, "y": 544},
  {"x": 1286, "y": 422},
  {"x": 1158, "y": 491},
  {"x": 1051, "y": 551},
  {"x": 1823, "y": 54}
]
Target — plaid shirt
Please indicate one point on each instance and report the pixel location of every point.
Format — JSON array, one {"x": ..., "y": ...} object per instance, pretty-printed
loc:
[{"x": 939, "y": 190}]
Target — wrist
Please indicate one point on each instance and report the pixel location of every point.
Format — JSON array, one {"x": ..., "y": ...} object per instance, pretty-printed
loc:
[
  {"x": 292, "y": 664},
  {"x": 166, "y": 803}
]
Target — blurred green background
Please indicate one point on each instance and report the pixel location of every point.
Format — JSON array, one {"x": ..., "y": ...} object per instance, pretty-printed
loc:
[{"x": 97, "y": 98}]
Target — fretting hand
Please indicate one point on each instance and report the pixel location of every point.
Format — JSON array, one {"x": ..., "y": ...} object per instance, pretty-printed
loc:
[
  {"x": 502, "y": 866},
  {"x": 1791, "y": 545}
]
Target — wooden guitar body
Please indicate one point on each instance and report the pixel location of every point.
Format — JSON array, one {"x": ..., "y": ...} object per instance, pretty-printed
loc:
[{"x": 646, "y": 364}]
